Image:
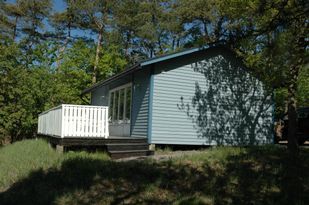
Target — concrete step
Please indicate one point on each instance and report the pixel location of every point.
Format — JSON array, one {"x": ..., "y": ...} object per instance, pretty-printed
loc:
[
  {"x": 127, "y": 146},
  {"x": 130, "y": 153}
]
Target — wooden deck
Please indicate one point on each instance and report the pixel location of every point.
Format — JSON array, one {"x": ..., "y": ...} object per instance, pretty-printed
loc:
[
  {"x": 80, "y": 126},
  {"x": 94, "y": 141},
  {"x": 117, "y": 147}
]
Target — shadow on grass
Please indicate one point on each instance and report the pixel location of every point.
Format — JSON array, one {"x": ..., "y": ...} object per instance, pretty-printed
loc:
[
  {"x": 264, "y": 175},
  {"x": 257, "y": 176}
]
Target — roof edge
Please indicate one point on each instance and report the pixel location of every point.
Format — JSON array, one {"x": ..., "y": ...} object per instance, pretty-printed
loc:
[{"x": 114, "y": 77}]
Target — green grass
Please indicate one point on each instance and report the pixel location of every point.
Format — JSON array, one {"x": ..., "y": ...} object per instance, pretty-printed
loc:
[
  {"x": 165, "y": 150},
  {"x": 21, "y": 158},
  {"x": 33, "y": 173}
]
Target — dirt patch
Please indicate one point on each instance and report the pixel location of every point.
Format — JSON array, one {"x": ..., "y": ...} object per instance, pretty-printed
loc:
[{"x": 162, "y": 156}]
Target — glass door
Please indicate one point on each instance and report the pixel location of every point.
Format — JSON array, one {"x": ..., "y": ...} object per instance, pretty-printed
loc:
[{"x": 120, "y": 110}]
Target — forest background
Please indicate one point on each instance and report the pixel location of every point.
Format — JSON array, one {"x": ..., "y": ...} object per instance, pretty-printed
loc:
[{"x": 51, "y": 50}]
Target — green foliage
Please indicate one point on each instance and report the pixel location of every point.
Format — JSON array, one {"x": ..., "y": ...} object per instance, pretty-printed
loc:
[
  {"x": 280, "y": 96},
  {"x": 74, "y": 74},
  {"x": 16, "y": 99},
  {"x": 111, "y": 62},
  {"x": 26, "y": 90},
  {"x": 303, "y": 87},
  {"x": 33, "y": 83},
  {"x": 206, "y": 20}
]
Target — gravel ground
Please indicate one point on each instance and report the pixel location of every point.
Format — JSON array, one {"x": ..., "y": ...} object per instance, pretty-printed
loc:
[{"x": 161, "y": 156}]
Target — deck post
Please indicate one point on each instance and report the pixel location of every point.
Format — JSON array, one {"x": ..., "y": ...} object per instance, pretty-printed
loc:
[
  {"x": 152, "y": 147},
  {"x": 59, "y": 148},
  {"x": 106, "y": 131},
  {"x": 62, "y": 121}
]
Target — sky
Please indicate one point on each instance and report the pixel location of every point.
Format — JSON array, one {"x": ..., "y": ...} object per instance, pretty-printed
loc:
[{"x": 59, "y": 5}]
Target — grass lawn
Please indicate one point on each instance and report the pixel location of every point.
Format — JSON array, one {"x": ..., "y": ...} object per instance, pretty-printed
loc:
[{"x": 33, "y": 173}]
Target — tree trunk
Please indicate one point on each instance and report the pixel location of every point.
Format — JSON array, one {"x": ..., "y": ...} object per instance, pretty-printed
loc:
[
  {"x": 298, "y": 55},
  {"x": 15, "y": 28},
  {"x": 63, "y": 48},
  {"x": 60, "y": 55},
  {"x": 292, "y": 114},
  {"x": 206, "y": 33},
  {"x": 127, "y": 44},
  {"x": 173, "y": 43},
  {"x": 97, "y": 55}
]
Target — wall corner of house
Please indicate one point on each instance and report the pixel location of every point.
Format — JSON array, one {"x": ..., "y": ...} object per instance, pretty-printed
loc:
[{"x": 151, "y": 84}]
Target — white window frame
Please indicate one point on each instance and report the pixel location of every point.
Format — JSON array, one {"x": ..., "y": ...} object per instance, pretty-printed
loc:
[{"x": 125, "y": 86}]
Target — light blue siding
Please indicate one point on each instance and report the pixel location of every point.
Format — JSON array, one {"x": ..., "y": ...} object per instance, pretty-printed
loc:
[
  {"x": 210, "y": 99},
  {"x": 139, "y": 118}
]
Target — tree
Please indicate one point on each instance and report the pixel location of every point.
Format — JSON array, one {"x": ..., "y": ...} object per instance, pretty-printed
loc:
[
  {"x": 126, "y": 24},
  {"x": 24, "y": 92},
  {"x": 271, "y": 36},
  {"x": 203, "y": 20},
  {"x": 144, "y": 27},
  {"x": 11, "y": 16},
  {"x": 111, "y": 62},
  {"x": 75, "y": 73},
  {"x": 94, "y": 16},
  {"x": 303, "y": 87},
  {"x": 153, "y": 36},
  {"x": 33, "y": 14},
  {"x": 175, "y": 25},
  {"x": 64, "y": 22}
]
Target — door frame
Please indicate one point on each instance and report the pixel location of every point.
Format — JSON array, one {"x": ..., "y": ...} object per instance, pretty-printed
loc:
[{"x": 123, "y": 125}]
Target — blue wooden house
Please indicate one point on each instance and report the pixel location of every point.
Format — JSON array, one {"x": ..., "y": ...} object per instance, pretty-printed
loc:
[{"x": 200, "y": 96}]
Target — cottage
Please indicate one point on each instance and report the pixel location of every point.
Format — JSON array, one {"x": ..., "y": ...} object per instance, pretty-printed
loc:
[{"x": 200, "y": 96}]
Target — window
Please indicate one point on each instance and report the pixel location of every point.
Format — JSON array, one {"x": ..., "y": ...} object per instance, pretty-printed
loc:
[{"x": 120, "y": 104}]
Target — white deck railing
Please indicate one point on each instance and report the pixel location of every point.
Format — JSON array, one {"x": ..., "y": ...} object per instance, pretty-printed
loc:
[{"x": 74, "y": 121}]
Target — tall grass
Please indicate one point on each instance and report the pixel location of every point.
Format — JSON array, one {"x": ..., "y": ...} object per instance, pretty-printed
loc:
[
  {"x": 21, "y": 158},
  {"x": 33, "y": 173}
]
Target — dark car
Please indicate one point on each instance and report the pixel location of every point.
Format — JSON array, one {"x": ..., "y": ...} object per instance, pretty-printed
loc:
[{"x": 302, "y": 127}]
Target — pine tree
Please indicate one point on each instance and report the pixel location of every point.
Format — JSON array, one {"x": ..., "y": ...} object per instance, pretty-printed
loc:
[
  {"x": 64, "y": 22},
  {"x": 271, "y": 36},
  {"x": 34, "y": 12},
  {"x": 126, "y": 24},
  {"x": 95, "y": 16}
]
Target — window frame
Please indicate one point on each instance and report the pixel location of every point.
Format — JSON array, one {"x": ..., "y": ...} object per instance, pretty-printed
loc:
[{"x": 117, "y": 90}]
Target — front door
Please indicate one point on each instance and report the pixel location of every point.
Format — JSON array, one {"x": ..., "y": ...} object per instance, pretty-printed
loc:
[{"x": 120, "y": 110}]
